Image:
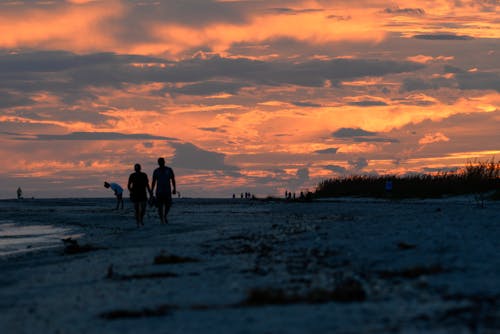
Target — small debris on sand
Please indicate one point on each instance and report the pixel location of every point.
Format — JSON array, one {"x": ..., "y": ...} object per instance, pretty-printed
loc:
[
  {"x": 73, "y": 247},
  {"x": 406, "y": 246}
]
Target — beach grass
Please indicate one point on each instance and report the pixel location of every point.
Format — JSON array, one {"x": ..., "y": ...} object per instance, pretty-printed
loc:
[{"x": 477, "y": 177}]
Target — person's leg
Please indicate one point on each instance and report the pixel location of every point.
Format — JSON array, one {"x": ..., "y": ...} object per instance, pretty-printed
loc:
[
  {"x": 161, "y": 206},
  {"x": 117, "y": 202},
  {"x": 168, "y": 205},
  {"x": 143, "y": 211},
  {"x": 137, "y": 210}
]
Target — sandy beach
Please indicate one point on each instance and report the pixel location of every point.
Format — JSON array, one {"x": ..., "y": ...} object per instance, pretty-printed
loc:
[{"x": 247, "y": 266}]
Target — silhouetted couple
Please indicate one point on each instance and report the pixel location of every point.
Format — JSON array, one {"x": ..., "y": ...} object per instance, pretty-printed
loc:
[{"x": 138, "y": 185}]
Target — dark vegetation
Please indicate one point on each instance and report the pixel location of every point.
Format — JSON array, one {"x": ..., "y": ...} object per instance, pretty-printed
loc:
[{"x": 475, "y": 178}]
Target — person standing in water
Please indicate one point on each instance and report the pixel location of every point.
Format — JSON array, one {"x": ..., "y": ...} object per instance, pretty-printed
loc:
[
  {"x": 118, "y": 190},
  {"x": 162, "y": 177},
  {"x": 19, "y": 193},
  {"x": 138, "y": 184}
]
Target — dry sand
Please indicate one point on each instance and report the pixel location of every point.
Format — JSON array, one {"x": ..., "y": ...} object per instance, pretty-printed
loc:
[{"x": 242, "y": 266}]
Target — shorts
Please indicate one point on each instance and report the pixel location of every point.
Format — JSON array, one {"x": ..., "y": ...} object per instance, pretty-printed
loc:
[
  {"x": 163, "y": 199},
  {"x": 137, "y": 198}
]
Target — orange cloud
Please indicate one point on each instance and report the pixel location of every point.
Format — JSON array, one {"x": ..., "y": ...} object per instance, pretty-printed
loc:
[
  {"x": 432, "y": 138},
  {"x": 75, "y": 28},
  {"x": 315, "y": 28},
  {"x": 427, "y": 59}
]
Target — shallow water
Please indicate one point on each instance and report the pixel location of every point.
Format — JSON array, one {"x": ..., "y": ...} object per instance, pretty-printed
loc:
[{"x": 16, "y": 238}]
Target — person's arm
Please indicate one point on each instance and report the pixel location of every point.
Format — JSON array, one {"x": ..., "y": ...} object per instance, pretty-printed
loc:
[
  {"x": 129, "y": 185},
  {"x": 174, "y": 190},
  {"x": 153, "y": 183},
  {"x": 149, "y": 188}
]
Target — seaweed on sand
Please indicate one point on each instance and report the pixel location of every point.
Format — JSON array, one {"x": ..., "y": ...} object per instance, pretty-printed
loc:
[
  {"x": 412, "y": 272},
  {"x": 164, "y": 258},
  {"x": 406, "y": 246},
  {"x": 158, "y": 311},
  {"x": 121, "y": 277},
  {"x": 348, "y": 290}
]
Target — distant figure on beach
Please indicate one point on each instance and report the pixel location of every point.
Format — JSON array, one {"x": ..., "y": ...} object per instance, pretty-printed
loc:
[
  {"x": 162, "y": 177},
  {"x": 118, "y": 190},
  {"x": 19, "y": 193},
  {"x": 388, "y": 187},
  {"x": 138, "y": 185}
]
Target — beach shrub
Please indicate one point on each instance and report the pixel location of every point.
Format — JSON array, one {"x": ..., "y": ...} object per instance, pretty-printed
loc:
[{"x": 475, "y": 178}]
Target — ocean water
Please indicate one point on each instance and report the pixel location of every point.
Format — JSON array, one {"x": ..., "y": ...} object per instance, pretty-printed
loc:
[{"x": 16, "y": 238}]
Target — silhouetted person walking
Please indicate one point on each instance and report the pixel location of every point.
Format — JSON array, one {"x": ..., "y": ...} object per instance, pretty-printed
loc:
[
  {"x": 138, "y": 184},
  {"x": 19, "y": 193},
  {"x": 162, "y": 177},
  {"x": 118, "y": 190}
]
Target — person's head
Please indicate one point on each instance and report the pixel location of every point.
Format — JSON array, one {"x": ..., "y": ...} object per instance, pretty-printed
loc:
[
  {"x": 161, "y": 162},
  {"x": 137, "y": 167},
  {"x": 106, "y": 184}
]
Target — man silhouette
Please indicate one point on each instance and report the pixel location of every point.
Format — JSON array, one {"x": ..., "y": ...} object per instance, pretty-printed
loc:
[
  {"x": 162, "y": 177},
  {"x": 138, "y": 183}
]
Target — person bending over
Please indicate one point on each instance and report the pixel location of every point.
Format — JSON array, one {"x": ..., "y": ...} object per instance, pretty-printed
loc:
[
  {"x": 118, "y": 190},
  {"x": 162, "y": 177},
  {"x": 138, "y": 185}
]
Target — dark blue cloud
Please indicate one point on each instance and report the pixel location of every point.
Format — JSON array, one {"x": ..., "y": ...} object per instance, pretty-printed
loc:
[
  {"x": 412, "y": 84},
  {"x": 336, "y": 169},
  {"x": 69, "y": 76},
  {"x": 361, "y": 136},
  {"x": 331, "y": 150},
  {"x": 405, "y": 11},
  {"x": 352, "y": 132},
  {"x": 368, "y": 103},
  {"x": 358, "y": 164},
  {"x": 479, "y": 80},
  {"x": 291, "y": 11},
  {"x": 443, "y": 37},
  {"x": 374, "y": 140},
  {"x": 95, "y": 136},
  {"x": 306, "y": 104},
  {"x": 190, "y": 156},
  {"x": 212, "y": 129}
]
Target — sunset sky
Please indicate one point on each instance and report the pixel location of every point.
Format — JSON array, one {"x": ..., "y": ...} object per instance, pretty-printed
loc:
[{"x": 257, "y": 96}]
